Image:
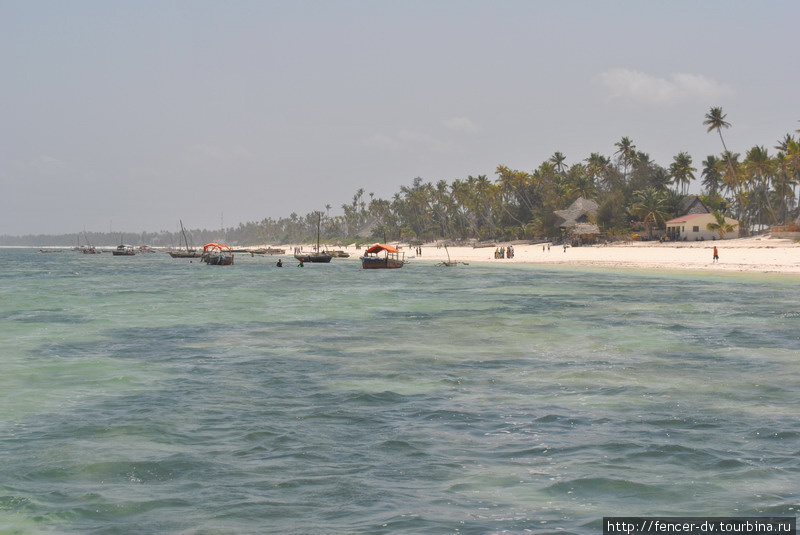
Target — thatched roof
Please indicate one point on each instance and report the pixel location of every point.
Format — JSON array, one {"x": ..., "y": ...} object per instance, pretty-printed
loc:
[
  {"x": 692, "y": 204},
  {"x": 584, "y": 229},
  {"x": 578, "y": 212}
]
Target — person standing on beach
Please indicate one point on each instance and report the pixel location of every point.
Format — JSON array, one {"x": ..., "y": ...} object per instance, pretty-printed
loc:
[{"x": 716, "y": 255}]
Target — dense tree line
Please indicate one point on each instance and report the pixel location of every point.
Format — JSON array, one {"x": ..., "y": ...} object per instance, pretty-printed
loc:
[{"x": 633, "y": 192}]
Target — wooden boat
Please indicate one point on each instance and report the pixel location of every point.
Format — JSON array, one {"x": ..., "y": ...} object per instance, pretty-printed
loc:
[
  {"x": 124, "y": 250},
  {"x": 188, "y": 252},
  {"x": 85, "y": 249},
  {"x": 217, "y": 254},
  {"x": 317, "y": 256},
  {"x": 390, "y": 259},
  {"x": 323, "y": 257}
]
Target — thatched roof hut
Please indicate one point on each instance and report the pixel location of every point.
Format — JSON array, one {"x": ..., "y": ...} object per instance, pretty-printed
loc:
[
  {"x": 580, "y": 211},
  {"x": 576, "y": 221}
]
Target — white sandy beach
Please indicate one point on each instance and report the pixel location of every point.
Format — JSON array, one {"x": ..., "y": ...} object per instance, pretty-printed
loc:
[{"x": 760, "y": 254}]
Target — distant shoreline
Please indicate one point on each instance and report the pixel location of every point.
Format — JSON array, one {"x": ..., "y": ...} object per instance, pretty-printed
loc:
[{"x": 749, "y": 255}]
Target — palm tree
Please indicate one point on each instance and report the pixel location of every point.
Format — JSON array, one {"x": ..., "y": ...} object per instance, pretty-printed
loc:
[
  {"x": 783, "y": 144},
  {"x": 626, "y": 154},
  {"x": 651, "y": 206},
  {"x": 642, "y": 168},
  {"x": 558, "y": 159},
  {"x": 712, "y": 177},
  {"x": 599, "y": 168},
  {"x": 793, "y": 157},
  {"x": 721, "y": 226},
  {"x": 784, "y": 184},
  {"x": 682, "y": 171},
  {"x": 759, "y": 169},
  {"x": 715, "y": 120},
  {"x": 579, "y": 183}
]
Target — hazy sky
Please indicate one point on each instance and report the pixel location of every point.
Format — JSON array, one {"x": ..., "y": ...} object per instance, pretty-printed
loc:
[{"x": 130, "y": 115}]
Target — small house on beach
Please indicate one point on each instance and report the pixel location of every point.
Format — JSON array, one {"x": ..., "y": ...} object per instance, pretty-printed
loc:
[
  {"x": 576, "y": 221},
  {"x": 692, "y": 227}
]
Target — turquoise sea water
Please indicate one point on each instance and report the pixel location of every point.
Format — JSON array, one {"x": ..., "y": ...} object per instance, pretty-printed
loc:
[{"x": 152, "y": 395}]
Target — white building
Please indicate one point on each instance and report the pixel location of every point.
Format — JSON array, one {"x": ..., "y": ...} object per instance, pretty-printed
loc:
[{"x": 692, "y": 227}]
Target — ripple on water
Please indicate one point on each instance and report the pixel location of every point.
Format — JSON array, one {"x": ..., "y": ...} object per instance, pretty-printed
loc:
[{"x": 330, "y": 400}]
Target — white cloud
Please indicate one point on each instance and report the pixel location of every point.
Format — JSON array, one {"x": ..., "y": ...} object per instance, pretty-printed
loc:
[
  {"x": 460, "y": 124},
  {"x": 627, "y": 84}
]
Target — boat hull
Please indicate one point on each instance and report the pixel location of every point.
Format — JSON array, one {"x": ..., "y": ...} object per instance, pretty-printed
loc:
[
  {"x": 185, "y": 255},
  {"x": 316, "y": 258},
  {"x": 381, "y": 263},
  {"x": 216, "y": 261}
]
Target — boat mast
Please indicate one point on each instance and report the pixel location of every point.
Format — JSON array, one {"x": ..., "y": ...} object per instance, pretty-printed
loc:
[
  {"x": 184, "y": 237},
  {"x": 319, "y": 220}
]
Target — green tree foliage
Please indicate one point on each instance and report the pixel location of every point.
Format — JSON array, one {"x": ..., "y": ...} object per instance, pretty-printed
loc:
[
  {"x": 651, "y": 207},
  {"x": 720, "y": 226}
]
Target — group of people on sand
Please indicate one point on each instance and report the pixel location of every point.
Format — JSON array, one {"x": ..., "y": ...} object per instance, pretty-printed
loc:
[{"x": 504, "y": 252}]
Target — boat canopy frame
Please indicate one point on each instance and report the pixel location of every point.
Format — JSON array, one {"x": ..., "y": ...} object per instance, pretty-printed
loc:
[{"x": 378, "y": 247}]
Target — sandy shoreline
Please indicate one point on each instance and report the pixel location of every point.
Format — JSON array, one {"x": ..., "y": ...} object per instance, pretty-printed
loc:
[
  {"x": 751, "y": 255},
  {"x": 756, "y": 255}
]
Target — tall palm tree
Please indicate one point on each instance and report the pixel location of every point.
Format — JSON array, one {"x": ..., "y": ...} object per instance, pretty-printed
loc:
[
  {"x": 626, "y": 154},
  {"x": 558, "y": 159},
  {"x": 642, "y": 168},
  {"x": 599, "y": 168},
  {"x": 759, "y": 169},
  {"x": 712, "y": 177},
  {"x": 682, "y": 171},
  {"x": 784, "y": 184},
  {"x": 715, "y": 120},
  {"x": 793, "y": 157}
]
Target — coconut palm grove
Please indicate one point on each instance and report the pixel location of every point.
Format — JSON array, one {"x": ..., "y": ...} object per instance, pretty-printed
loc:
[{"x": 635, "y": 195}]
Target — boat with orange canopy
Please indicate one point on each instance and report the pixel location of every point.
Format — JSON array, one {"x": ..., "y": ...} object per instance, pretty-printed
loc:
[
  {"x": 391, "y": 257},
  {"x": 217, "y": 254}
]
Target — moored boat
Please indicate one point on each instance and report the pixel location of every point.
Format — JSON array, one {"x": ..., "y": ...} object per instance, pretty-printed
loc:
[
  {"x": 317, "y": 256},
  {"x": 186, "y": 252},
  {"x": 390, "y": 259},
  {"x": 124, "y": 250},
  {"x": 217, "y": 254}
]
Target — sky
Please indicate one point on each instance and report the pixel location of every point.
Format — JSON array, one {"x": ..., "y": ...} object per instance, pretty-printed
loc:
[{"x": 122, "y": 115}]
